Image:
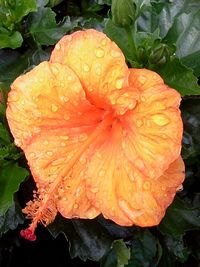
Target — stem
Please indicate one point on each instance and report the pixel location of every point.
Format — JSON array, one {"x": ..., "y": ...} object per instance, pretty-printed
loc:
[{"x": 131, "y": 42}]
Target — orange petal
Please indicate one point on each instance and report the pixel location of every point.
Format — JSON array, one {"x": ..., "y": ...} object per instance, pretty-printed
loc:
[
  {"x": 154, "y": 128},
  {"x": 48, "y": 97},
  {"x": 96, "y": 60},
  {"x": 122, "y": 193}
]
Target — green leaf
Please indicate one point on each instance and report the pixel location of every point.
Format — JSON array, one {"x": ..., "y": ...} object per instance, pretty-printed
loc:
[
  {"x": 44, "y": 29},
  {"x": 179, "y": 77},
  {"x": 117, "y": 256},
  {"x": 87, "y": 238},
  {"x": 12, "y": 64},
  {"x": 185, "y": 34},
  {"x": 177, "y": 247},
  {"x": 11, "y": 219},
  {"x": 10, "y": 39},
  {"x": 13, "y": 11},
  {"x": 11, "y": 175},
  {"x": 144, "y": 250},
  {"x": 191, "y": 118},
  {"x": 180, "y": 217}
]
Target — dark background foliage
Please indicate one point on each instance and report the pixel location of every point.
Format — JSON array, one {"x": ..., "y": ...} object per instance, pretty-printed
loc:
[{"x": 167, "y": 40}]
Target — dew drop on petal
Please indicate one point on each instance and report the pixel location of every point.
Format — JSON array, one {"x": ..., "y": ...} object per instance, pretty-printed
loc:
[
  {"x": 147, "y": 185},
  {"x": 102, "y": 173},
  {"x": 64, "y": 98},
  {"x": 123, "y": 145},
  {"x": 142, "y": 79},
  {"x": 119, "y": 84},
  {"x": 143, "y": 99},
  {"x": 66, "y": 117},
  {"x": 99, "y": 52},
  {"x": 103, "y": 41},
  {"x": 86, "y": 68},
  {"x": 57, "y": 47},
  {"x": 63, "y": 144},
  {"x": 180, "y": 188},
  {"x": 160, "y": 119},
  {"x": 163, "y": 187},
  {"x": 98, "y": 70},
  {"x": 32, "y": 155},
  {"x": 115, "y": 53},
  {"x": 46, "y": 142},
  {"x": 75, "y": 206},
  {"x": 69, "y": 78},
  {"x": 94, "y": 190},
  {"x": 54, "y": 108},
  {"x": 64, "y": 137},
  {"x": 139, "y": 123},
  {"x": 49, "y": 153}
]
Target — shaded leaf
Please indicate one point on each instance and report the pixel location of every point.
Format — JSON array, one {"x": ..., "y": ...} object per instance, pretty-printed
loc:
[
  {"x": 180, "y": 217},
  {"x": 86, "y": 237},
  {"x": 11, "y": 175},
  {"x": 44, "y": 29},
  {"x": 10, "y": 39},
  {"x": 179, "y": 77},
  {"x": 117, "y": 256},
  {"x": 11, "y": 218},
  {"x": 185, "y": 34},
  {"x": 191, "y": 119},
  {"x": 177, "y": 247},
  {"x": 144, "y": 250}
]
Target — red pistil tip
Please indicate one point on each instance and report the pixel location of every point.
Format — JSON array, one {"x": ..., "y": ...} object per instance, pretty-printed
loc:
[{"x": 28, "y": 234}]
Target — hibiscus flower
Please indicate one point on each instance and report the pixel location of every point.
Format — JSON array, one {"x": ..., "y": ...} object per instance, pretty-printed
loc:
[{"x": 99, "y": 138}]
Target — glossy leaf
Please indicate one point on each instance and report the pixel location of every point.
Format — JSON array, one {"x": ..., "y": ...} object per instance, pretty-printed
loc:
[
  {"x": 10, "y": 39},
  {"x": 117, "y": 256},
  {"x": 179, "y": 77},
  {"x": 185, "y": 34},
  {"x": 11, "y": 175},
  {"x": 11, "y": 219},
  {"x": 87, "y": 238},
  {"x": 180, "y": 217},
  {"x": 144, "y": 250},
  {"x": 177, "y": 247},
  {"x": 44, "y": 29}
]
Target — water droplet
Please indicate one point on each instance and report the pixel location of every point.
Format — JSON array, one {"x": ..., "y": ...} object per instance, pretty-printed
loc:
[
  {"x": 82, "y": 160},
  {"x": 160, "y": 119},
  {"x": 49, "y": 153},
  {"x": 62, "y": 84},
  {"x": 132, "y": 177},
  {"x": 94, "y": 190},
  {"x": 54, "y": 108},
  {"x": 119, "y": 84},
  {"x": 139, "y": 163},
  {"x": 163, "y": 187},
  {"x": 132, "y": 105},
  {"x": 99, "y": 155},
  {"x": 63, "y": 144},
  {"x": 147, "y": 185},
  {"x": 99, "y": 52},
  {"x": 98, "y": 70},
  {"x": 124, "y": 132},
  {"x": 164, "y": 136},
  {"x": 102, "y": 173},
  {"x": 75, "y": 206},
  {"x": 64, "y": 98},
  {"x": 142, "y": 79},
  {"x": 90, "y": 89},
  {"x": 113, "y": 101},
  {"x": 180, "y": 188},
  {"x": 69, "y": 38},
  {"x": 69, "y": 78},
  {"x": 55, "y": 70},
  {"x": 86, "y": 68},
  {"x": 103, "y": 41},
  {"x": 115, "y": 53},
  {"x": 66, "y": 117},
  {"x": 32, "y": 155},
  {"x": 123, "y": 144},
  {"x": 151, "y": 174},
  {"x": 143, "y": 99},
  {"x": 15, "y": 96},
  {"x": 46, "y": 142},
  {"x": 139, "y": 122},
  {"x": 64, "y": 137},
  {"x": 155, "y": 77},
  {"x": 57, "y": 47}
]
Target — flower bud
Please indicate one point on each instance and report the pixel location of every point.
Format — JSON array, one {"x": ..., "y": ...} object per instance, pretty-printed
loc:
[
  {"x": 123, "y": 12},
  {"x": 160, "y": 54}
]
